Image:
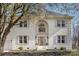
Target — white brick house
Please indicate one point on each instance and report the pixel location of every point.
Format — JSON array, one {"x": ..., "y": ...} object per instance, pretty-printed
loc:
[{"x": 49, "y": 30}]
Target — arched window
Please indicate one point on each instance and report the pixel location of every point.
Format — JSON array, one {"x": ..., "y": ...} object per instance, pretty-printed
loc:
[{"x": 42, "y": 27}]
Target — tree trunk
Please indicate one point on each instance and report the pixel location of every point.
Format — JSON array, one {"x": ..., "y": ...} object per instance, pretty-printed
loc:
[
  {"x": 1, "y": 49},
  {"x": 2, "y": 42}
]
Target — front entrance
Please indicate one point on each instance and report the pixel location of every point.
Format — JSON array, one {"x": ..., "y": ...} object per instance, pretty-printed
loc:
[
  {"x": 42, "y": 42},
  {"x": 41, "y": 35}
]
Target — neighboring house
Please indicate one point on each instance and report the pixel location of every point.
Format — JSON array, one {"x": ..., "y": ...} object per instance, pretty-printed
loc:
[{"x": 48, "y": 30}]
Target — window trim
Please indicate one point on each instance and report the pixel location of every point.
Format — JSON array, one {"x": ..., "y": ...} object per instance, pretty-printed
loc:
[
  {"x": 24, "y": 22},
  {"x": 22, "y": 39},
  {"x": 61, "y": 39},
  {"x": 43, "y": 28},
  {"x": 60, "y": 22}
]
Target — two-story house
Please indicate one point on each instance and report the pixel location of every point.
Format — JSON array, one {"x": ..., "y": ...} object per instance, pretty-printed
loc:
[{"x": 48, "y": 30}]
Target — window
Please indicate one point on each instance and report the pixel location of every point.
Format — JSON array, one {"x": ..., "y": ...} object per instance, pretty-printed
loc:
[
  {"x": 25, "y": 39},
  {"x": 41, "y": 27},
  {"x": 22, "y": 39},
  {"x": 23, "y": 24},
  {"x": 58, "y": 39},
  {"x": 61, "y": 38},
  {"x": 61, "y": 23},
  {"x": 58, "y": 23}
]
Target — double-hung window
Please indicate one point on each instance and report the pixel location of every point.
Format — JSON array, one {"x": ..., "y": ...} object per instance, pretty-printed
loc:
[
  {"x": 23, "y": 23},
  {"x": 61, "y": 23},
  {"x": 22, "y": 39},
  {"x": 61, "y": 38}
]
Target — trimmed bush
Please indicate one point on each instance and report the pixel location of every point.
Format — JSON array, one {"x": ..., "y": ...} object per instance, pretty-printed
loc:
[
  {"x": 62, "y": 48},
  {"x": 20, "y": 48}
]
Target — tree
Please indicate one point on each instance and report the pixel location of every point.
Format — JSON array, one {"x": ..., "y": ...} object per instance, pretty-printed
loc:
[{"x": 11, "y": 11}]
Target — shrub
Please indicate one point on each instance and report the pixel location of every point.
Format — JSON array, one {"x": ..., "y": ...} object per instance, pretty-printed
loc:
[
  {"x": 55, "y": 48},
  {"x": 27, "y": 47},
  {"x": 62, "y": 48},
  {"x": 20, "y": 48}
]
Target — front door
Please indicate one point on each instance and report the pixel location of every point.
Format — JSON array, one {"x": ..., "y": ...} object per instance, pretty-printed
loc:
[{"x": 42, "y": 43}]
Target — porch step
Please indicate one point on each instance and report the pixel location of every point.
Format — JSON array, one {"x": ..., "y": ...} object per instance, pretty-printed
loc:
[{"x": 41, "y": 47}]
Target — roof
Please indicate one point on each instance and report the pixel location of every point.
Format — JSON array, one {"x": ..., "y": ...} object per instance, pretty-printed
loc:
[
  {"x": 48, "y": 14},
  {"x": 54, "y": 13}
]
